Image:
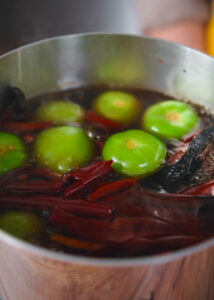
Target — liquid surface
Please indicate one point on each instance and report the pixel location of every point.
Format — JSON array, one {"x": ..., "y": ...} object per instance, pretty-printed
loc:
[{"x": 91, "y": 209}]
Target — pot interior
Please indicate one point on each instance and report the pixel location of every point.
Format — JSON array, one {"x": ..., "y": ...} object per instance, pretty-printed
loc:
[{"x": 115, "y": 60}]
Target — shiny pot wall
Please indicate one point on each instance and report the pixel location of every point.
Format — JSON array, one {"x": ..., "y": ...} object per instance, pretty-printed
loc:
[{"x": 28, "y": 272}]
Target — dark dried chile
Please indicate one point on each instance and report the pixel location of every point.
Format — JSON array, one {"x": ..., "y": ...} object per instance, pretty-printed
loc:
[
  {"x": 109, "y": 125},
  {"x": 145, "y": 246},
  {"x": 111, "y": 188},
  {"x": 178, "y": 208},
  {"x": 206, "y": 188},
  {"x": 26, "y": 172},
  {"x": 33, "y": 186},
  {"x": 77, "y": 206},
  {"x": 177, "y": 176},
  {"x": 119, "y": 230},
  {"x": 12, "y": 102},
  {"x": 87, "y": 177},
  {"x": 126, "y": 202}
]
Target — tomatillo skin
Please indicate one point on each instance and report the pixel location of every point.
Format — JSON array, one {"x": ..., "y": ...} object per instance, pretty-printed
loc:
[
  {"x": 60, "y": 112},
  {"x": 23, "y": 225},
  {"x": 12, "y": 152},
  {"x": 134, "y": 152},
  {"x": 117, "y": 106},
  {"x": 170, "y": 119},
  {"x": 63, "y": 148}
]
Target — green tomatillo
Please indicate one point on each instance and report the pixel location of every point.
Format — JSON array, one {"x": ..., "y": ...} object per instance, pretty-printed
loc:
[
  {"x": 117, "y": 106},
  {"x": 63, "y": 148},
  {"x": 170, "y": 119},
  {"x": 23, "y": 225},
  {"x": 60, "y": 112},
  {"x": 12, "y": 152},
  {"x": 134, "y": 152}
]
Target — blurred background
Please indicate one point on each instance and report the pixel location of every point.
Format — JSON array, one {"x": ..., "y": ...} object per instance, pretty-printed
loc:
[{"x": 183, "y": 21}]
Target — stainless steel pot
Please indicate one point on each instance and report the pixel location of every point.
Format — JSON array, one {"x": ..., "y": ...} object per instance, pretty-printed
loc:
[{"x": 28, "y": 272}]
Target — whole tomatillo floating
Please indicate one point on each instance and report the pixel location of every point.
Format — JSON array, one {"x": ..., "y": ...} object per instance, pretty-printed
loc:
[
  {"x": 134, "y": 152},
  {"x": 170, "y": 119},
  {"x": 60, "y": 112},
  {"x": 23, "y": 225},
  {"x": 12, "y": 152},
  {"x": 117, "y": 106},
  {"x": 63, "y": 148}
]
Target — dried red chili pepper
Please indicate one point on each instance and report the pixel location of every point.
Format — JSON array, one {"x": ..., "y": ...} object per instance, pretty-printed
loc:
[
  {"x": 189, "y": 137},
  {"x": 111, "y": 188},
  {"x": 87, "y": 177},
  {"x": 33, "y": 186},
  {"x": 144, "y": 246},
  {"x": 179, "y": 175},
  {"x": 119, "y": 230},
  {"x": 28, "y": 172},
  {"x": 206, "y": 188},
  {"x": 177, "y": 154},
  {"x": 110, "y": 125},
  {"x": 177, "y": 208},
  {"x": 126, "y": 202},
  {"x": 26, "y": 127},
  {"x": 77, "y": 206}
]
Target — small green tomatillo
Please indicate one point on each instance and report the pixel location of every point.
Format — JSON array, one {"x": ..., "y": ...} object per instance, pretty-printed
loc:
[
  {"x": 117, "y": 106},
  {"x": 23, "y": 225},
  {"x": 63, "y": 148},
  {"x": 134, "y": 152},
  {"x": 60, "y": 112},
  {"x": 170, "y": 119},
  {"x": 12, "y": 152}
]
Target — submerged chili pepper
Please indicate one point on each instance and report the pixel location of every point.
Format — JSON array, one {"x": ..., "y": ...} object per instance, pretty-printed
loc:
[
  {"x": 144, "y": 246},
  {"x": 87, "y": 177},
  {"x": 33, "y": 186},
  {"x": 177, "y": 154},
  {"x": 74, "y": 243},
  {"x": 189, "y": 137},
  {"x": 119, "y": 230},
  {"x": 177, "y": 176},
  {"x": 178, "y": 208},
  {"x": 206, "y": 188},
  {"x": 111, "y": 188},
  {"x": 77, "y": 206},
  {"x": 110, "y": 125},
  {"x": 28, "y": 171},
  {"x": 26, "y": 127}
]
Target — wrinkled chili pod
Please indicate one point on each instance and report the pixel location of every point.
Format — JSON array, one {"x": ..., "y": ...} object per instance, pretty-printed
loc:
[
  {"x": 26, "y": 172},
  {"x": 41, "y": 202},
  {"x": 87, "y": 177},
  {"x": 144, "y": 246},
  {"x": 127, "y": 202},
  {"x": 178, "y": 208},
  {"x": 206, "y": 188},
  {"x": 112, "y": 188},
  {"x": 108, "y": 124},
  {"x": 119, "y": 230},
  {"x": 25, "y": 127},
  {"x": 177, "y": 176},
  {"x": 33, "y": 186}
]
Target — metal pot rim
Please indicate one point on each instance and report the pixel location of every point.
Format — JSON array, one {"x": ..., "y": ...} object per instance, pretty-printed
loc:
[{"x": 107, "y": 262}]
